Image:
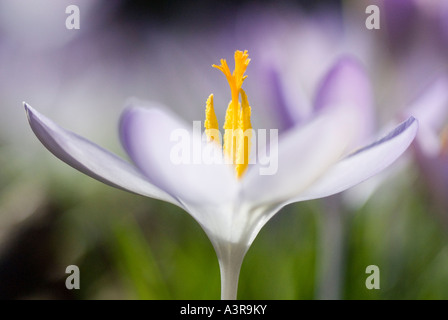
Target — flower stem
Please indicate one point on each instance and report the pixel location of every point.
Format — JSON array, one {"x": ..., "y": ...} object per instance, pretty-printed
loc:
[{"x": 229, "y": 266}]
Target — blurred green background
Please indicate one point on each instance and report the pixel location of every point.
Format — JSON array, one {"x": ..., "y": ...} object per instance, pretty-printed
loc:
[{"x": 131, "y": 247}]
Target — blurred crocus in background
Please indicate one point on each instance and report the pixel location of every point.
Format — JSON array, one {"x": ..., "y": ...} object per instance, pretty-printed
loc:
[{"x": 133, "y": 247}]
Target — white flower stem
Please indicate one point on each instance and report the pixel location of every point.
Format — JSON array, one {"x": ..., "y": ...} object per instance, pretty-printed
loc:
[{"x": 230, "y": 262}]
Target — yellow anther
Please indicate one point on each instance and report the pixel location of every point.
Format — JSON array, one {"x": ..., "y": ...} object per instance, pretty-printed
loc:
[
  {"x": 230, "y": 130},
  {"x": 211, "y": 122},
  {"x": 237, "y": 126},
  {"x": 245, "y": 112},
  {"x": 244, "y": 136}
]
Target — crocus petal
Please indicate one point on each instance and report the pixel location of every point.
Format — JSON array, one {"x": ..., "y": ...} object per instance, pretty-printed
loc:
[
  {"x": 288, "y": 115},
  {"x": 91, "y": 159},
  {"x": 302, "y": 155},
  {"x": 400, "y": 17},
  {"x": 171, "y": 156},
  {"x": 431, "y": 107},
  {"x": 362, "y": 164},
  {"x": 431, "y": 110},
  {"x": 346, "y": 83}
]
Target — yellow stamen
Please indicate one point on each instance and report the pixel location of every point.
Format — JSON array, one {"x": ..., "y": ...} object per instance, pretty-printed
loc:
[
  {"x": 211, "y": 122},
  {"x": 237, "y": 126},
  {"x": 244, "y": 136},
  {"x": 230, "y": 130}
]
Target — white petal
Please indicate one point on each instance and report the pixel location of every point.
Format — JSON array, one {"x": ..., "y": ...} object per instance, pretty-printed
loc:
[
  {"x": 363, "y": 164},
  {"x": 303, "y": 154},
  {"x": 91, "y": 159},
  {"x": 171, "y": 155}
]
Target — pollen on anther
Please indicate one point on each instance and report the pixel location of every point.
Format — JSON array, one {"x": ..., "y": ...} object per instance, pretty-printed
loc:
[{"x": 237, "y": 126}]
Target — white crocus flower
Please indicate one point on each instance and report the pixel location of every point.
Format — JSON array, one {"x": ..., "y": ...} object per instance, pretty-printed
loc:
[{"x": 233, "y": 202}]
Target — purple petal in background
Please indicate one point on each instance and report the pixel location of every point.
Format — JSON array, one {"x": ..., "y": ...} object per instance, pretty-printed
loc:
[
  {"x": 400, "y": 17},
  {"x": 431, "y": 110},
  {"x": 288, "y": 115},
  {"x": 346, "y": 83}
]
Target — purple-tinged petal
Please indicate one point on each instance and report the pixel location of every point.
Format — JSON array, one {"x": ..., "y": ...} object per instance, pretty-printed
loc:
[
  {"x": 346, "y": 83},
  {"x": 302, "y": 156},
  {"x": 400, "y": 17},
  {"x": 431, "y": 110},
  {"x": 172, "y": 157},
  {"x": 443, "y": 22},
  {"x": 288, "y": 115},
  {"x": 431, "y": 107},
  {"x": 91, "y": 159},
  {"x": 362, "y": 164}
]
